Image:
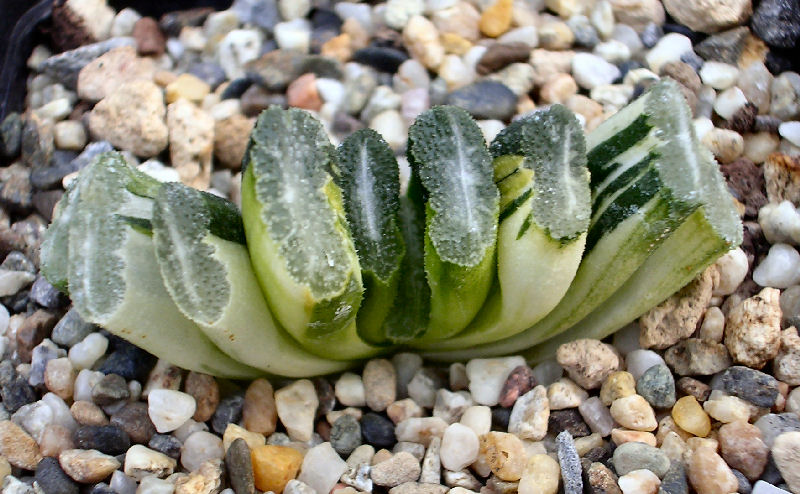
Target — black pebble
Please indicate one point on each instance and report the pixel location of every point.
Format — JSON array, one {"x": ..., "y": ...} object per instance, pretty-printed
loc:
[
  {"x": 377, "y": 430},
  {"x": 52, "y": 479},
  {"x": 567, "y": 420},
  {"x": 500, "y": 418},
  {"x": 696, "y": 37},
  {"x": 127, "y": 360},
  {"x": 240, "y": 467},
  {"x": 108, "y": 439},
  {"x": 777, "y": 22},
  {"x": 167, "y": 444},
  {"x": 236, "y": 88},
  {"x": 381, "y": 58},
  {"x": 229, "y": 410},
  {"x": 751, "y": 385},
  {"x": 17, "y": 393}
]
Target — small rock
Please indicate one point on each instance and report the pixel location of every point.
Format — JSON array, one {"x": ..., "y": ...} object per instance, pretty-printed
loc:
[
  {"x": 485, "y": 100},
  {"x": 782, "y": 177},
  {"x": 87, "y": 466},
  {"x": 773, "y": 425},
  {"x": 132, "y": 119},
  {"x": 108, "y": 439},
  {"x": 777, "y": 22},
  {"x": 565, "y": 394},
  {"x": 710, "y": 16},
  {"x": 709, "y": 474},
  {"x": 275, "y": 466},
  {"x": 602, "y": 480},
  {"x": 169, "y": 445},
  {"x": 459, "y": 447},
  {"x": 742, "y": 448},
  {"x": 752, "y": 334},
  {"x": 449, "y": 406},
  {"x": 18, "y": 447},
  {"x": 110, "y": 389},
  {"x": 634, "y": 412},
  {"x": 418, "y": 488},
  {"x": 639, "y": 482},
  {"x": 567, "y": 420},
  {"x": 104, "y": 75},
  {"x": 694, "y": 356},
  {"x": 690, "y": 416},
  {"x": 431, "y": 463},
  {"x": 191, "y": 136},
  {"x": 636, "y": 456},
  {"x": 141, "y": 462},
  {"x": 726, "y": 408},
  {"x": 597, "y": 416},
  {"x": 187, "y": 86},
  {"x": 239, "y": 466},
  {"x": 134, "y": 419},
  {"x": 169, "y": 409},
  {"x": 617, "y": 385},
  {"x": 205, "y": 391},
  {"x": 500, "y": 55},
  {"x": 296, "y": 406},
  {"x": 591, "y": 71},
  {"x": 638, "y": 361},
  {"x": 379, "y": 431},
  {"x": 668, "y": 49},
  {"x": 200, "y": 447},
  {"x": 504, "y": 453},
  {"x": 496, "y": 18},
  {"x": 259, "y": 411},
  {"x": 322, "y": 467},
  {"x": 530, "y": 415},
  {"x": 570, "y": 464},
  {"x": 657, "y": 386},
  {"x": 421, "y": 38},
  {"x": 751, "y": 385},
  {"x": 400, "y": 468},
  {"x": 677, "y": 317},
  {"x": 380, "y": 384},
  {"x": 345, "y": 434},
  {"x": 51, "y": 478},
  {"x": 588, "y": 362},
  {"x": 727, "y": 145}
]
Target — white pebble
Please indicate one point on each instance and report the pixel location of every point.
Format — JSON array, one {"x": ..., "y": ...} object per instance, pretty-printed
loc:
[
  {"x": 761, "y": 487},
  {"x": 790, "y": 131},
  {"x": 293, "y": 35},
  {"x": 487, "y": 376},
  {"x": 780, "y": 223},
  {"x": 702, "y": 126},
  {"x": 728, "y": 102},
  {"x": 331, "y": 91},
  {"x": 390, "y": 125},
  {"x": 294, "y": 9},
  {"x": 199, "y": 447},
  {"x": 639, "y": 482},
  {"x": 459, "y": 447},
  {"x": 479, "y": 419},
  {"x": 55, "y": 110},
  {"x": 188, "y": 428},
  {"x": 70, "y": 135},
  {"x": 4, "y": 319},
  {"x": 732, "y": 267},
  {"x": 780, "y": 269},
  {"x": 398, "y": 12},
  {"x": 359, "y": 11},
  {"x": 638, "y": 361},
  {"x": 525, "y": 34},
  {"x": 154, "y": 485},
  {"x": 84, "y": 383},
  {"x": 591, "y": 71},
  {"x": 530, "y": 414},
  {"x": 225, "y": 109},
  {"x": 169, "y": 409},
  {"x": 719, "y": 75},
  {"x": 349, "y": 390},
  {"x": 490, "y": 128},
  {"x": 613, "y": 51},
  {"x": 668, "y": 49},
  {"x": 236, "y": 49},
  {"x": 322, "y": 468},
  {"x": 597, "y": 416},
  {"x": 123, "y": 22},
  {"x": 84, "y": 354}
]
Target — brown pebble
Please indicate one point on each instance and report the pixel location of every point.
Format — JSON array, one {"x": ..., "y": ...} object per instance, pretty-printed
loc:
[
  {"x": 205, "y": 391},
  {"x": 87, "y": 413},
  {"x": 231, "y": 136},
  {"x": 504, "y": 453},
  {"x": 87, "y": 466},
  {"x": 33, "y": 330},
  {"x": 55, "y": 439},
  {"x": 683, "y": 73},
  {"x": 59, "y": 377},
  {"x": 380, "y": 384},
  {"x": 587, "y": 361},
  {"x": 302, "y": 93},
  {"x": 743, "y": 449},
  {"x": 693, "y": 387},
  {"x": 500, "y": 55},
  {"x": 326, "y": 395},
  {"x": 746, "y": 182},
  {"x": 519, "y": 382},
  {"x": 18, "y": 446},
  {"x": 149, "y": 38},
  {"x": 260, "y": 413},
  {"x": 709, "y": 474},
  {"x": 134, "y": 419},
  {"x": 743, "y": 120},
  {"x": 602, "y": 480}
]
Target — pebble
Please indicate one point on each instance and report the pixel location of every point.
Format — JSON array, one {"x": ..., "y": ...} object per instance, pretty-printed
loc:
[
  {"x": 70, "y": 135},
  {"x": 459, "y": 447},
  {"x": 169, "y": 445},
  {"x": 668, "y": 49},
  {"x": 634, "y": 412},
  {"x": 638, "y": 361},
  {"x": 719, "y": 75},
  {"x": 19, "y": 448},
  {"x": 51, "y": 478},
  {"x": 142, "y": 462},
  {"x": 709, "y": 474},
  {"x": 234, "y": 432},
  {"x": 274, "y": 466},
  {"x": 421, "y": 38},
  {"x": 87, "y": 466},
  {"x": 632, "y": 456},
  {"x": 565, "y": 394},
  {"x": 751, "y": 385},
  {"x": 567, "y": 420},
  {"x": 484, "y": 100},
  {"x": 205, "y": 391},
  {"x": 597, "y": 416},
  {"x": 790, "y": 131},
  {"x": 504, "y": 454},
  {"x": 187, "y": 86},
  {"x": 762, "y": 487},
  {"x": 108, "y": 439},
  {"x": 132, "y": 119},
  {"x": 519, "y": 382},
  {"x": 200, "y": 447},
  {"x": 639, "y": 482},
  {"x": 103, "y": 76},
  {"x": 726, "y": 408},
  {"x": 293, "y": 35},
  {"x": 350, "y": 390},
  {"x": 777, "y": 23},
  {"x": 694, "y": 356},
  {"x": 191, "y": 142},
  {"x": 709, "y": 16},
  {"x": 431, "y": 463},
  {"x": 450, "y": 406},
  {"x": 540, "y": 476},
  {"x": 619, "y": 384},
  {"x": 400, "y": 468},
  {"x": 657, "y": 386},
  {"x": 169, "y": 409},
  {"x": 742, "y": 448},
  {"x": 752, "y": 333},
  {"x": 591, "y": 70},
  {"x": 345, "y": 434},
  {"x": 773, "y": 425},
  {"x": 530, "y": 415},
  {"x": 110, "y": 390},
  {"x": 322, "y": 467},
  {"x": 690, "y": 416},
  {"x": 570, "y": 464},
  {"x": 377, "y": 430},
  {"x": 296, "y": 407}
]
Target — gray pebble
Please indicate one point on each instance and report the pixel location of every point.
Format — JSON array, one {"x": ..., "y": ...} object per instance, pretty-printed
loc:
[
  {"x": 240, "y": 467},
  {"x": 485, "y": 100},
  {"x": 229, "y": 410},
  {"x": 345, "y": 434},
  {"x": 71, "y": 329},
  {"x": 674, "y": 482},
  {"x": 773, "y": 425},
  {"x": 748, "y": 384},
  {"x": 657, "y": 385},
  {"x": 744, "y": 484},
  {"x": 636, "y": 456},
  {"x": 65, "y": 66},
  {"x": 570, "y": 464}
]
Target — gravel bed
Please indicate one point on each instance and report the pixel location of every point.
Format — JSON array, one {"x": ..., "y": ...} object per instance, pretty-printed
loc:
[{"x": 699, "y": 395}]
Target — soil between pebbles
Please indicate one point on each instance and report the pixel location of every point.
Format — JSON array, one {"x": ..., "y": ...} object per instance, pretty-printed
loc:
[{"x": 698, "y": 395}]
